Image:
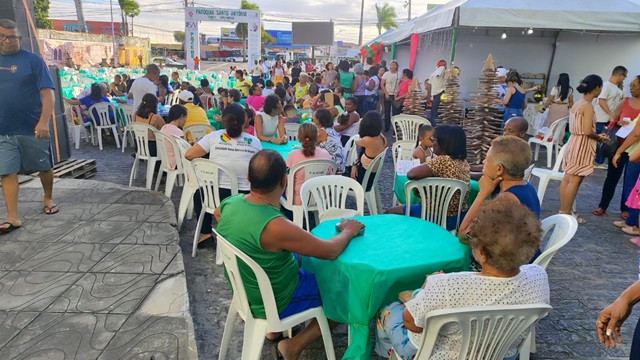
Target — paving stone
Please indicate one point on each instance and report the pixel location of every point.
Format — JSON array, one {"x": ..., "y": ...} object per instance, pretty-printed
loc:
[
  {"x": 166, "y": 214},
  {"x": 128, "y": 212},
  {"x": 71, "y": 212},
  {"x": 32, "y": 291},
  {"x": 153, "y": 234},
  {"x": 169, "y": 297},
  {"x": 12, "y": 254},
  {"x": 12, "y": 322},
  {"x": 95, "y": 196},
  {"x": 137, "y": 259},
  {"x": 164, "y": 337},
  {"x": 143, "y": 198},
  {"x": 63, "y": 257},
  {"x": 64, "y": 336},
  {"x": 105, "y": 293},
  {"x": 48, "y": 230},
  {"x": 100, "y": 232}
]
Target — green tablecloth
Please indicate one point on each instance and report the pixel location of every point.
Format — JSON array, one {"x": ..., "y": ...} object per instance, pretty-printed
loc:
[
  {"x": 283, "y": 149},
  {"x": 398, "y": 189},
  {"x": 394, "y": 254}
]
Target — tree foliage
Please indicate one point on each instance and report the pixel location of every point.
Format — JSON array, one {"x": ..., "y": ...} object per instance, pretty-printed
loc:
[
  {"x": 179, "y": 36},
  {"x": 242, "y": 30},
  {"x": 386, "y": 17},
  {"x": 128, "y": 8},
  {"x": 41, "y": 13}
]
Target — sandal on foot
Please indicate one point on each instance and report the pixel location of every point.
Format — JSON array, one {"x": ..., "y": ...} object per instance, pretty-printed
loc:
[
  {"x": 9, "y": 228},
  {"x": 620, "y": 224},
  {"x": 630, "y": 230},
  {"x": 624, "y": 215},
  {"x": 635, "y": 241},
  {"x": 598, "y": 212},
  {"x": 50, "y": 210}
]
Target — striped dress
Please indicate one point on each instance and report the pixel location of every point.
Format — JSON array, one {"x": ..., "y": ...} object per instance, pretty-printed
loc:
[{"x": 581, "y": 150}]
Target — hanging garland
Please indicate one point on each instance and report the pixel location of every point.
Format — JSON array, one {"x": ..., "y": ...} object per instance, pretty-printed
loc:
[{"x": 373, "y": 50}]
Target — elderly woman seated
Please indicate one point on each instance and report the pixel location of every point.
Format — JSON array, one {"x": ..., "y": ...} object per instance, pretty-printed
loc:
[{"x": 503, "y": 237}]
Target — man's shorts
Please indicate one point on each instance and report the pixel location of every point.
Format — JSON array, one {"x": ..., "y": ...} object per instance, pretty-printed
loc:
[
  {"x": 305, "y": 297},
  {"x": 24, "y": 153}
]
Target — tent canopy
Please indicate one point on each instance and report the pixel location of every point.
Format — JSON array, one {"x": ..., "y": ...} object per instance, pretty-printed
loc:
[{"x": 578, "y": 15}]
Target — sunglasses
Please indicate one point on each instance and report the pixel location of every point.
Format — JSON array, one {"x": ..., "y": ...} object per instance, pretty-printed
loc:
[{"x": 11, "y": 38}]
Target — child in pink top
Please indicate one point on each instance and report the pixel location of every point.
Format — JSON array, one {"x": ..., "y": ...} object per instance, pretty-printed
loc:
[
  {"x": 248, "y": 124},
  {"x": 307, "y": 136},
  {"x": 175, "y": 121}
]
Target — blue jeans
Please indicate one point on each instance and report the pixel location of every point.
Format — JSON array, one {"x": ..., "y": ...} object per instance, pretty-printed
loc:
[
  {"x": 509, "y": 113},
  {"x": 630, "y": 177},
  {"x": 599, "y": 128}
]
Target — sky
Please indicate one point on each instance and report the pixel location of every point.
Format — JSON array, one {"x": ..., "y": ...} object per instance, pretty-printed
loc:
[{"x": 159, "y": 18}]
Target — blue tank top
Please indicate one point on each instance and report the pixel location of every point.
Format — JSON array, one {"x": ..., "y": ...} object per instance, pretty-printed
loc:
[
  {"x": 528, "y": 197},
  {"x": 516, "y": 101}
]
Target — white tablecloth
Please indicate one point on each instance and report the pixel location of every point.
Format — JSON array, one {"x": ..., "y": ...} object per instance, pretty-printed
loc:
[{"x": 534, "y": 117}]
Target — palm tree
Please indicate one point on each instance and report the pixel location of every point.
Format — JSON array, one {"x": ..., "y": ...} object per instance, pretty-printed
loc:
[
  {"x": 386, "y": 17},
  {"x": 82, "y": 27}
]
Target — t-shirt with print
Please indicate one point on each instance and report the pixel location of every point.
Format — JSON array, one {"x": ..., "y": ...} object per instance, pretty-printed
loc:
[
  {"x": 468, "y": 289},
  {"x": 613, "y": 96},
  {"x": 445, "y": 167},
  {"x": 139, "y": 88},
  {"x": 233, "y": 153},
  {"x": 297, "y": 156},
  {"x": 22, "y": 76},
  {"x": 171, "y": 131}
]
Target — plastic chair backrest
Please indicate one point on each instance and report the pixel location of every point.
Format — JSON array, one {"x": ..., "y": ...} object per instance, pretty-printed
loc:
[
  {"x": 435, "y": 195},
  {"x": 487, "y": 331},
  {"x": 75, "y": 115},
  {"x": 208, "y": 173},
  {"x": 102, "y": 110},
  {"x": 127, "y": 113},
  {"x": 564, "y": 227},
  {"x": 141, "y": 136},
  {"x": 198, "y": 131},
  {"x": 189, "y": 174},
  {"x": 207, "y": 101},
  {"x": 291, "y": 131},
  {"x": 527, "y": 172},
  {"x": 408, "y": 126},
  {"x": 556, "y": 130},
  {"x": 174, "y": 99},
  {"x": 402, "y": 150},
  {"x": 374, "y": 168},
  {"x": 350, "y": 150},
  {"x": 163, "y": 144},
  {"x": 556, "y": 166},
  {"x": 312, "y": 169},
  {"x": 331, "y": 192},
  {"x": 230, "y": 256}
]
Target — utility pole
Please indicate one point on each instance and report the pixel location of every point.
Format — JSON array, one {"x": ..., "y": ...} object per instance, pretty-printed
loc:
[
  {"x": 82, "y": 26},
  {"x": 408, "y": 6},
  {"x": 113, "y": 37},
  {"x": 361, "y": 20}
]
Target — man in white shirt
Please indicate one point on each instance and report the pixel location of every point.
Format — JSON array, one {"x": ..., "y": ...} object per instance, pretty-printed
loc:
[
  {"x": 144, "y": 85},
  {"x": 435, "y": 88},
  {"x": 610, "y": 97},
  {"x": 265, "y": 69}
]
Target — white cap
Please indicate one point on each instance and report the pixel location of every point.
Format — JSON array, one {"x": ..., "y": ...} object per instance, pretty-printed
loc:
[
  {"x": 186, "y": 96},
  {"x": 501, "y": 72}
]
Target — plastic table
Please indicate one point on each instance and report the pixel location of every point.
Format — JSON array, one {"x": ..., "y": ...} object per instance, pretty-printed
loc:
[
  {"x": 283, "y": 149},
  {"x": 395, "y": 254},
  {"x": 398, "y": 189}
]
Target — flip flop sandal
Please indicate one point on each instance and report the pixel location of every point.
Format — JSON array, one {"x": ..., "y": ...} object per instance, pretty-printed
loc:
[
  {"x": 619, "y": 224},
  {"x": 50, "y": 210},
  {"x": 635, "y": 241},
  {"x": 8, "y": 229},
  {"x": 598, "y": 212},
  {"x": 630, "y": 230}
]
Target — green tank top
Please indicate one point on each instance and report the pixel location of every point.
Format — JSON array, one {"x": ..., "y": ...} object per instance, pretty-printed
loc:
[
  {"x": 241, "y": 223},
  {"x": 346, "y": 80}
]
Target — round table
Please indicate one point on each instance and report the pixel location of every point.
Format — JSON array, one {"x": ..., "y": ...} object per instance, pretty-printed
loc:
[
  {"x": 395, "y": 254},
  {"x": 283, "y": 149},
  {"x": 398, "y": 189}
]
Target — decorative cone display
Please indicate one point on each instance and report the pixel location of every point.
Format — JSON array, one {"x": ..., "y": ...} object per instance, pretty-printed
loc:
[
  {"x": 414, "y": 104},
  {"x": 485, "y": 121},
  {"x": 451, "y": 109}
]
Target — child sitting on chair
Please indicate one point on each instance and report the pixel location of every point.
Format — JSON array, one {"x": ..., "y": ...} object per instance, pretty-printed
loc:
[{"x": 423, "y": 150}]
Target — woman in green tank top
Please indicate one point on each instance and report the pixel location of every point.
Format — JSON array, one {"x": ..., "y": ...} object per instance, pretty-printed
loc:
[{"x": 345, "y": 78}]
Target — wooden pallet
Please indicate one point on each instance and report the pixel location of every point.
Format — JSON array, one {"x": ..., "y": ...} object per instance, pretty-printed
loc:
[{"x": 76, "y": 169}]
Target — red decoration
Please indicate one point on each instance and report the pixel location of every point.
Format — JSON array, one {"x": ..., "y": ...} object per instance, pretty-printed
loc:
[{"x": 373, "y": 50}]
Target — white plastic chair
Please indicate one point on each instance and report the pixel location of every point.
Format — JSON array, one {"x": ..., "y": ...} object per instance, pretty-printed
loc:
[
  {"x": 163, "y": 143},
  {"x": 174, "y": 97},
  {"x": 329, "y": 194},
  {"x": 435, "y": 196},
  {"x": 312, "y": 169},
  {"x": 207, "y": 101},
  {"x": 564, "y": 228},
  {"x": 209, "y": 173},
  {"x": 256, "y": 329},
  {"x": 291, "y": 131},
  {"x": 501, "y": 326},
  {"x": 198, "y": 131},
  {"x": 408, "y": 126},
  {"x": 74, "y": 113},
  {"x": 185, "y": 208},
  {"x": 141, "y": 133},
  {"x": 372, "y": 197},
  {"x": 127, "y": 113},
  {"x": 350, "y": 150},
  {"x": 401, "y": 150},
  {"x": 103, "y": 122},
  {"x": 527, "y": 172},
  {"x": 551, "y": 140}
]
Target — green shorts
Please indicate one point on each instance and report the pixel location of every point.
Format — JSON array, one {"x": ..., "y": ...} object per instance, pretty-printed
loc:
[{"x": 24, "y": 153}]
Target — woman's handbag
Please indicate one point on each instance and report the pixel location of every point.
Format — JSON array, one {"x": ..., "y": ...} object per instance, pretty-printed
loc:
[
  {"x": 397, "y": 103},
  {"x": 608, "y": 148}
]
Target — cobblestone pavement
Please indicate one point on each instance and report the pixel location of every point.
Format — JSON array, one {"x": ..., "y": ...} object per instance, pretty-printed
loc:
[
  {"x": 102, "y": 279},
  {"x": 586, "y": 275}
]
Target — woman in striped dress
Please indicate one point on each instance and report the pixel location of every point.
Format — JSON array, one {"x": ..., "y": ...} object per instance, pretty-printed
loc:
[{"x": 581, "y": 148}]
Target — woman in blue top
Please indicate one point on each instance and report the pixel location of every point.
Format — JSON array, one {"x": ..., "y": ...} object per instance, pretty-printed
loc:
[
  {"x": 515, "y": 98},
  {"x": 503, "y": 177},
  {"x": 97, "y": 95}
]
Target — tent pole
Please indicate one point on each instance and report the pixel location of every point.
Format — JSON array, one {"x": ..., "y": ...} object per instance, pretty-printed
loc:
[
  {"x": 454, "y": 43},
  {"x": 393, "y": 51},
  {"x": 553, "y": 55}
]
